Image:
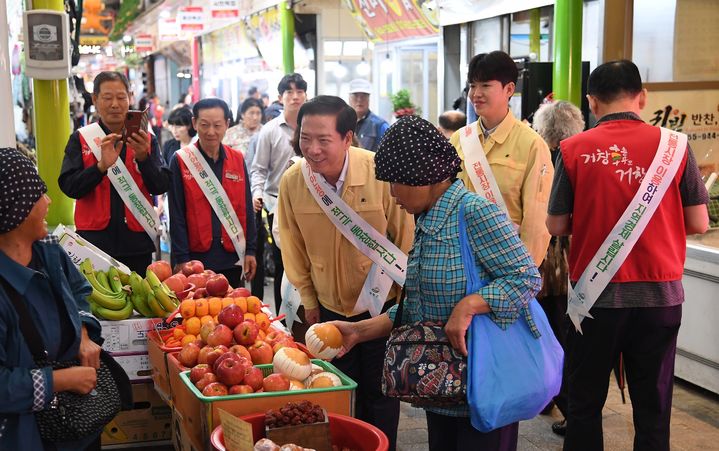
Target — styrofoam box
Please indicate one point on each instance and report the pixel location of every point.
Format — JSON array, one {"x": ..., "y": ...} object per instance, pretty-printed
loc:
[{"x": 127, "y": 336}]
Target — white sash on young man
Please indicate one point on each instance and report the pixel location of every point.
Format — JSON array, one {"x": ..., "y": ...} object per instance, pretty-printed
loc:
[
  {"x": 477, "y": 166},
  {"x": 389, "y": 262},
  {"x": 123, "y": 183},
  {"x": 626, "y": 232},
  {"x": 216, "y": 196}
]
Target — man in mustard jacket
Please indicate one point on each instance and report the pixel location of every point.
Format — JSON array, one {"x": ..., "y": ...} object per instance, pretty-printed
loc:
[
  {"x": 327, "y": 269},
  {"x": 519, "y": 158}
]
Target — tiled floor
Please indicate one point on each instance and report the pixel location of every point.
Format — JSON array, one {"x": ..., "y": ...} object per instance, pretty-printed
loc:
[{"x": 695, "y": 424}]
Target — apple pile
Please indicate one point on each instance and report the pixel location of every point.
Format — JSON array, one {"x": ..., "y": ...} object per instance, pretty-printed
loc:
[
  {"x": 194, "y": 281},
  {"x": 294, "y": 413}
]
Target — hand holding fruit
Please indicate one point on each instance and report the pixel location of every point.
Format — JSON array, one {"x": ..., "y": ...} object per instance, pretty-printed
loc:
[{"x": 350, "y": 335}]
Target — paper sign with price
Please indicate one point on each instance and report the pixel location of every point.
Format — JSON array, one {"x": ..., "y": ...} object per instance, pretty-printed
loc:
[{"x": 237, "y": 433}]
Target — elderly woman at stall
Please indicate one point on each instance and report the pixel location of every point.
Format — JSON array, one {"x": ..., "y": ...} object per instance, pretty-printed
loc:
[
  {"x": 54, "y": 293},
  {"x": 421, "y": 167},
  {"x": 555, "y": 122}
]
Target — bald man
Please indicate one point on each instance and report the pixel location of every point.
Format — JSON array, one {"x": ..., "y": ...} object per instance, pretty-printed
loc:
[{"x": 450, "y": 122}]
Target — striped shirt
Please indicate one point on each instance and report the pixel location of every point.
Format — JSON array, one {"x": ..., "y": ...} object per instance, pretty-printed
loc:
[{"x": 436, "y": 279}]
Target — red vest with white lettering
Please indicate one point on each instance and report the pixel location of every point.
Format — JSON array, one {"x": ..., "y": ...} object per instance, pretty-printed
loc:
[
  {"x": 605, "y": 166},
  {"x": 198, "y": 211},
  {"x": 92, "y": 212}
]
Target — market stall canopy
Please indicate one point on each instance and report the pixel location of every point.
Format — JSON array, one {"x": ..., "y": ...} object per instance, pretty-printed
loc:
[
  {"x": 452, "y": 12},
  {"x": 395, "y": 21}
]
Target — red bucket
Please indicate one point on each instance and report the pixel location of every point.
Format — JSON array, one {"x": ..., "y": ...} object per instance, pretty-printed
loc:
[{"x": 345, "y": 431}]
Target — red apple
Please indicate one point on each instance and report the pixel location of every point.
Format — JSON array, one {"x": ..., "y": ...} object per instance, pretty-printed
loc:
[
  {"x": 208, "y": 355},
  {"x": 275, "y": 337},
  {"x": 188, "y": 355},
  {"x": 231, "y": 316},
  {"x": 240, "y": 389},
  {"x": 200, "y": 293},
  {"x": 246, "y": 332},
  {"x": 215, "y": 389},
  {"x": 206, "y": 328},
  {"x": 240, "y": 292},
  {"x": 230, "y": 371},
  {"x": 192, "y": 267},
  {"x": 205, "y": 381},
  {"x": 198, "y": 280},
  {"x": 217, "y": 285},
  {"x": 242, "y": 351},
  {"x": 220, "y": 335},
  {"x": 253, "y": 377},
  {"x": 222, "y": 348},
  {"x": 198, "y": 371},
  {"x": 161, "y": 268},
  {"x": 187, "y": 293},
  {"x": 225, "y": 356},
  {"x": 276, "y": 382},
  {"x": 261, "y": 353},
  {"x": 176, "y": 283}
]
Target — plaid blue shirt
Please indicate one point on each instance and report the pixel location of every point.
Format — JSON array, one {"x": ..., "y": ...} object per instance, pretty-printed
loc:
[{"x": 436, "y": 279}]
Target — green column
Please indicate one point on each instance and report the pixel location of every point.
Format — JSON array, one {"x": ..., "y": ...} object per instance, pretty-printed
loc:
[
  {"x": 287, "y": 26},
  {"x": 567, "y": 79},
  {"x": 534, "y": 33},
  {"x": 52, "y": 129}
]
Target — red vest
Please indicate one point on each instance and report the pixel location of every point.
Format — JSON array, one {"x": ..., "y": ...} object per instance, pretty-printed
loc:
[
  {"x": 92, "y": 212},
  {"x": 198, "y": 211},
  {"x": 605, "y": 166}
]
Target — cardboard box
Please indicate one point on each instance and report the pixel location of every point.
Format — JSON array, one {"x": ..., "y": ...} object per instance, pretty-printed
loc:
[
  {"x": 181, "y": 439},
  {"x": 150, "y": 420},
  {"x": 127, "y": 336},
  {"x": 137, "y": 366},
  {"x": 79, "y": 249},
  {"x": 158, "y": 366}
]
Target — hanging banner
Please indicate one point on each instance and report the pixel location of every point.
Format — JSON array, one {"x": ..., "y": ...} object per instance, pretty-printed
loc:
[
  {"x": 228, "y": 44},
  {"x": 695, "y": 113},
  {"x": 168, "y": 30},
  {"x": 264, "y": 28},
  {"x": 144, "y": 43},
  {"x": 394, "y": 20},
  {"x": 191, "y": 19},
  {"x": 225, "y": 9}
]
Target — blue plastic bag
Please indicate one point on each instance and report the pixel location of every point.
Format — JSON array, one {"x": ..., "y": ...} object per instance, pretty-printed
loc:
[{"x": 512, "y": 375}]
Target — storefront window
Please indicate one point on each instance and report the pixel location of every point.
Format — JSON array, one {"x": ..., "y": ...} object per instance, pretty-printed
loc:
[
  {"x": 519, "y": 37},
  {"x": 344, "y": 61},
  {"x": 487, "y": 35},
  {"x": 419, "y": 76},
  {"x": 675, "y": 40}
]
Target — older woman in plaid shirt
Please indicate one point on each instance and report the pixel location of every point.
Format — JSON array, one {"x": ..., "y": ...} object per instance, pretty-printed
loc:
[{"x": 421, "y": 167}]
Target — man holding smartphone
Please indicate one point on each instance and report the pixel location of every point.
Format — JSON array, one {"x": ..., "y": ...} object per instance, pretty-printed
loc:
[{"x": 105, "y": 213}]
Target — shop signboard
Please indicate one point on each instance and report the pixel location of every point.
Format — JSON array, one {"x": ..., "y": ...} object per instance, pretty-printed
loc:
[
  {"x": 191, "y": 19},
  {"x": 168, "y": 30},
  {"x": 394, "y": 20},
  {"x": 224, "y": 9},
  {"x": 144, "y": 43},
  {"x": 694, "y": 112}
]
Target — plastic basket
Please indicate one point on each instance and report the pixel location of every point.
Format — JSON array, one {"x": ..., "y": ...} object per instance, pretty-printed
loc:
[
  {"x": 344, "y": 431},
  {"x": 347, "y": 384},
  {"x": 157, "y": 335}
]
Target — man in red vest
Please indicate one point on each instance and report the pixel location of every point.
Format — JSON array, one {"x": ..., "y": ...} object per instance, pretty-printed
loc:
[
  {"x": 101, "y": 216},
  {"x": 197, "y": 232},
  {"x": 637, "y": 311}
]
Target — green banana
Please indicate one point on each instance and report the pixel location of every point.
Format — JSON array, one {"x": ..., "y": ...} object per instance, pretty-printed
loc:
[
  {"x": 136, "y": 284},
  {"x": 155, "y": 307},
  {"x": 101, "y": 277},
  {"x": 114, "y": 278},
  {"x": 116, "y": 315},
  {"x": 140, "y": 304},
  {"x": 116, "y": 302},
  {"x": 124, "y": 277},
  {"x": 163, "y": 294},
  {"x": 89, "y": 273}
]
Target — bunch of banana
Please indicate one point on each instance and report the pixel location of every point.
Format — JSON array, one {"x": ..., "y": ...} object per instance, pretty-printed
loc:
[
  {"x": 161, "y": 300},
  {"x": 109, "y": 298}
]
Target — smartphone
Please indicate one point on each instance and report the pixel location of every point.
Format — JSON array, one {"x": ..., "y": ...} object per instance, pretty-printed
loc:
[{"x": 134, "y": 122}]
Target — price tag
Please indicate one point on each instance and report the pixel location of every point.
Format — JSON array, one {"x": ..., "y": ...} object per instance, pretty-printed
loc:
[{"x": 237, "y": 432}]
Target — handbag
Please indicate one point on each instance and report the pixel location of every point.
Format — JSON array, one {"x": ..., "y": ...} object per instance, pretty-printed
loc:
[
  {"x": 421, "y": 366},
  {"x": 71, "y": 416},
  {"x": 512, "y": 375}
]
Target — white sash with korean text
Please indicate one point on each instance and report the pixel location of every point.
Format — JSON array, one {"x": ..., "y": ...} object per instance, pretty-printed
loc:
[
  {"x": 477, "y": 166},
  {"x": 123, "y": 183},
  {"x": 389, "y": 262},
  {"x": 216, "y": 196},
  {"x": 620, "y": 241}
]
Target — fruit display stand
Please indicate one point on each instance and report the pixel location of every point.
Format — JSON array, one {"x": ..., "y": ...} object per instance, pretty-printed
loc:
[
  {"x": 158, "y": 352},
  {"x": 192, "y": 406},
  {"x": 345, "y": 432}
]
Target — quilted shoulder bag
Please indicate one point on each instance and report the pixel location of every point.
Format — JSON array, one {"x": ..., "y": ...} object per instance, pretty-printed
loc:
[{"x": 71, "y": 416}]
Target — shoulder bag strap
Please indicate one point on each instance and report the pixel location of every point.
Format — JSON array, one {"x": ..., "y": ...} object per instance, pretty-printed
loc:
[
  {"x": 27, "y": 325},
  {"x": 400, "y": 310}
]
